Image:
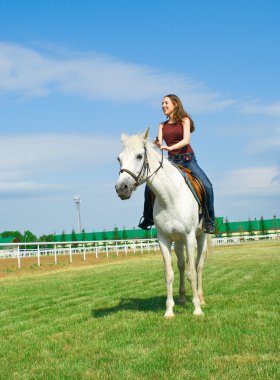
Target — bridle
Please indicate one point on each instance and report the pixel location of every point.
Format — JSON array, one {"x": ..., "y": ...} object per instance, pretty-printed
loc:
[{"x": 143, "y": 175}]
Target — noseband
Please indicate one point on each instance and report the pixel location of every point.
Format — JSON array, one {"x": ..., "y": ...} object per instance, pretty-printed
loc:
[{"x": 143, "y": 175}]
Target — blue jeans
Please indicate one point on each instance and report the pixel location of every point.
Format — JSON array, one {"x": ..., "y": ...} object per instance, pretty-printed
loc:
[{"x": 189, "y": 163}]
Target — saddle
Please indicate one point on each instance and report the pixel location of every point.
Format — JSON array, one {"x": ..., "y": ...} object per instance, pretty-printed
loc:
[{"x": 194, "y": 184}]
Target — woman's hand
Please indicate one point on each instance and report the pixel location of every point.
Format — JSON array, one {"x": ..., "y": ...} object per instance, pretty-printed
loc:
[
  {"x": 165, "y": 147},
  {"x": 157, "y": 142}
]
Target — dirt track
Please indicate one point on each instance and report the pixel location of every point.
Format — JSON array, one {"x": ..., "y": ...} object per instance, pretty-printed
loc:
[{"x": 9, "y": 267}]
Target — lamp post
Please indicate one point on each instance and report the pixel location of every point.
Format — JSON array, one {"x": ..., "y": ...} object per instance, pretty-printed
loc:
[
  {"x": 275, "y": 224},
  {"x": 77, "y": 200}
]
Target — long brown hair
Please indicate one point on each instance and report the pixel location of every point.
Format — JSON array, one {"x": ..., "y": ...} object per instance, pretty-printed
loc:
[{"x": 179, "y": 112}]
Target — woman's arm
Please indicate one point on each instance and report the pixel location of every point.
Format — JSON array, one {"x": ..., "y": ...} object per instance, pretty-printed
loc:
[
  {"x": 186, "y": 137},
  {"x": 158, "y": 141}
]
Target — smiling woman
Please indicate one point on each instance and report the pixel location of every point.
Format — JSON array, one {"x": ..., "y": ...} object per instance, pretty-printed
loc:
[{"x": 176, "y": 133}]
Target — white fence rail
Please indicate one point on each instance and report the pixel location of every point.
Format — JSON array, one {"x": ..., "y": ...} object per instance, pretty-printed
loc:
[
  {"x": 235, "y": 240},
  {"x": 19, "y": 251}
]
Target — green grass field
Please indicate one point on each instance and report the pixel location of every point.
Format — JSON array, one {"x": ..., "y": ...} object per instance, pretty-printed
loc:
[{"x": 106, "y": 321}]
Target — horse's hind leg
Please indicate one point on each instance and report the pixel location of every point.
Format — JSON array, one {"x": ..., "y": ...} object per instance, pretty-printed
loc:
[
  {"x": 179, "y": 250},
  {"x": 201, "y": 255},
  {"x": 165, "y": 247},
  {"x": 191, "y": 272}
]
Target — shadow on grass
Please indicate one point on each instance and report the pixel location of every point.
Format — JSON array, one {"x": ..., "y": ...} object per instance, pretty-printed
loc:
[{"x": 153, "y": 304}]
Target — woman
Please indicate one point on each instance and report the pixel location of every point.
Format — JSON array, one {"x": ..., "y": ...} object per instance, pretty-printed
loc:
[{"x": 176, "y": 133}]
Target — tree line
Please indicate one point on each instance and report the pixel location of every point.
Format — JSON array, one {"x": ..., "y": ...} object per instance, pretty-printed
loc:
[
  {"x": 254, "y": 227},
  {"x": 221, "y": 228},
  {"x": 116, "y": 234}
]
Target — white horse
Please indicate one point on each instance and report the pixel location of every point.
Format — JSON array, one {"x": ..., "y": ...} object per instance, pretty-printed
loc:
[{"x": 176, "y": 214}]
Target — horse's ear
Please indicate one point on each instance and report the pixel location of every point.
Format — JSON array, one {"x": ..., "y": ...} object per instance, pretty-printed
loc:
[
  {"x": 146, "y": 135},
  {"x": 124, "y": 138}
]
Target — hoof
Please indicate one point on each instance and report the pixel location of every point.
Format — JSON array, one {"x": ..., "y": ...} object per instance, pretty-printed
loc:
[
  {"x": 198, "y": 313},
  {"x": 169, "y": 315},
  {"x": 181, "y": 300}
]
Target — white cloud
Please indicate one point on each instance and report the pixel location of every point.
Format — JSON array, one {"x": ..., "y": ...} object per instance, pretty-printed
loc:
[
  {"x": 53, "y": 152},
  {"x": 259, "y": 138},
  {"x": 267, "y": 144},
  {"x": 34, "y": 164},
  {"x": 23, "y": 189},
  {"x": 27, "y": 72},
  {"x": 257, "y": 107},
  {"x": 260, "y": 181},
  {"x": 30, "y": 73},
  {"x": 265, "y": 139}
]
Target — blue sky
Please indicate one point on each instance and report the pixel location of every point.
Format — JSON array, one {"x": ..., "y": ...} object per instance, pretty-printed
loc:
[{"x": 74, "y": 75}]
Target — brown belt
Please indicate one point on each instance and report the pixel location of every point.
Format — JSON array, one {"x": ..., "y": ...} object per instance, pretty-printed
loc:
[{"x": 178, "y": 156}]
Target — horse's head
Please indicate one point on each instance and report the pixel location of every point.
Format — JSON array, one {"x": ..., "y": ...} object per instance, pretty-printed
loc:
[{"x": 133, "y": 164}]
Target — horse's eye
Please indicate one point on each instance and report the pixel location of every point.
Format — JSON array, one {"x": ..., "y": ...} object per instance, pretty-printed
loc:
[
  {"x": 118, "y": 158},
  {"x": 139, "y": 156}
]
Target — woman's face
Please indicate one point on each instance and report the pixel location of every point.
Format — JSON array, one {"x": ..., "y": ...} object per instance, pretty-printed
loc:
[{"x": 167, "y": 106}]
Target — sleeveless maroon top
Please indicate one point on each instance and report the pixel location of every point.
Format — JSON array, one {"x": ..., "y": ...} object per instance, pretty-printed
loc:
[{"x": 172, "y": 134}]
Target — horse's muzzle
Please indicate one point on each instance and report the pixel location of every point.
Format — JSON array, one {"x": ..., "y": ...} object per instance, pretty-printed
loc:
[{"x": 123, "y": 191}]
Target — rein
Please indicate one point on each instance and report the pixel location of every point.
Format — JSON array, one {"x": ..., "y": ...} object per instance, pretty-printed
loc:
[{"x": 140, "y": 178}]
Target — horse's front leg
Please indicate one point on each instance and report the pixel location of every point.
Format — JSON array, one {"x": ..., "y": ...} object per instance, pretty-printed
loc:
[
  {"x": 201, "y": 254},
  {"x": 179, "y": 250},
  {"x": 191, "y": 272},
  {"x": 165, "y": 247}
]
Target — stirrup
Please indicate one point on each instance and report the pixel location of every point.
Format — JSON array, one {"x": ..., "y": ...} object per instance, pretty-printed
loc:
[
  {"x": 145, "y": 223},
  {"x": 209, "y": 228}
]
